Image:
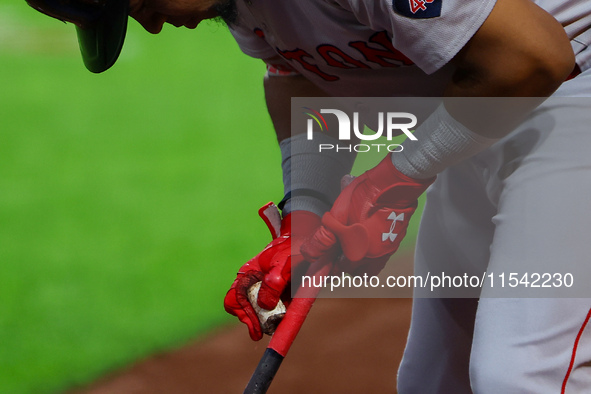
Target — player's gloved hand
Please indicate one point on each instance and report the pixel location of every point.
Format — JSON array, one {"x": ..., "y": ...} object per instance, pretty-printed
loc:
[
  {"x": 272, "y": 267},
  {"x": 368, "y": 220}
]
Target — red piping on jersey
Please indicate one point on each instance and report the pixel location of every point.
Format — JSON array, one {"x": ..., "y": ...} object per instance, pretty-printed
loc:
[
  {"x": 574, "y": 353},
  {"x": 576, "y": 71}
]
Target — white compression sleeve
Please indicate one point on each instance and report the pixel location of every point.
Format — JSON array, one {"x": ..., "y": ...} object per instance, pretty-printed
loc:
[
  {"x": 312, "y": 178},
  {"x": 441, "y": 142}
]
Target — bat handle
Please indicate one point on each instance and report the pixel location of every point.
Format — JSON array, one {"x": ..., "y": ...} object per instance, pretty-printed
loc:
[
  {"x": 265, "y": 372},
  {"x": 285, "y": 334}
]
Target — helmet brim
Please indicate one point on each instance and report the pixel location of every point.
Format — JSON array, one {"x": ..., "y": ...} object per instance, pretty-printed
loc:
[{"x": 102, "y": 40}]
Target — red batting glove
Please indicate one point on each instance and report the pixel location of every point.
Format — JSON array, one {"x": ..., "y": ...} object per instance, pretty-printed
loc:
[
  {"x": 369, "y": 219},
  {"x": 272, "y": 266}
]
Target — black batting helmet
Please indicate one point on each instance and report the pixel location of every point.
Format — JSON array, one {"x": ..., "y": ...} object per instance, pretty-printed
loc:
[{"x": 100, "y": 25}]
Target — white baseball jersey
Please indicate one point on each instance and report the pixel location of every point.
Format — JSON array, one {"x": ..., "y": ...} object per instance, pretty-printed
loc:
[
  {"x": 380, "y": 47},
  {"x": 516, "y": 205}
]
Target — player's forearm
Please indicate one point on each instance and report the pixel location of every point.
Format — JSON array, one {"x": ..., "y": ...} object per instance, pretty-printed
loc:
[
  {"x": 278, "y": 93},
  {"x": 311, "y": 179},
  {"x": 520, "y": 51},
  {"x": 518, "y": 57}
]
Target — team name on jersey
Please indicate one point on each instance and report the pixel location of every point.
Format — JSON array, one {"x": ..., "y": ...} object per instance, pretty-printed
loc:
[{"x": 378, "y": 50}]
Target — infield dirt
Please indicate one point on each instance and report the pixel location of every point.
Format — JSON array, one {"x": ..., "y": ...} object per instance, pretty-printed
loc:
[{"x": 345, "y": 346}]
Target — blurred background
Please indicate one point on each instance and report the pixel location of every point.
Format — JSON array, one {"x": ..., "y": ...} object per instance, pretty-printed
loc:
[{"x": 127, "y": 199}]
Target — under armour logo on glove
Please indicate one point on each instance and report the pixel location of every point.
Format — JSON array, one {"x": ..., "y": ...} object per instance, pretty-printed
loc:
[
  {"x": 391, "y": 236},
  {"x": 355, "y": 224}
]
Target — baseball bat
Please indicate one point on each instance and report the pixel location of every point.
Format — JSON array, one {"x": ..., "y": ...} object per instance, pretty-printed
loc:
[{"x": 285, "y": 334}]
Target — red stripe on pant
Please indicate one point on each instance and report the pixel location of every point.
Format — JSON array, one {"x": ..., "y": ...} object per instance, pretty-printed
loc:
[{"x": 574, "y": 352}]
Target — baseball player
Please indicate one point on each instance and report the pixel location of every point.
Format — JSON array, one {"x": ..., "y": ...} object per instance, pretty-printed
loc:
[{"x": 490, "y": 188}]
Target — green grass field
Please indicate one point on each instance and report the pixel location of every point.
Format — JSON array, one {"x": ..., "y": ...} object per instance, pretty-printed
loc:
[{"x": 127, "y": 199}]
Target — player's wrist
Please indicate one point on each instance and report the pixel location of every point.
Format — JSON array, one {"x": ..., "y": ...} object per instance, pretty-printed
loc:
[
  {"x": 310, "y": 200},
  {"x": 386, "y": 174},
  {"x": 311, "y": 178},
  {"x": 441, "y": 142},
  {"x": 300, "y": 223}
]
